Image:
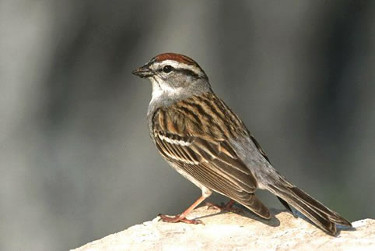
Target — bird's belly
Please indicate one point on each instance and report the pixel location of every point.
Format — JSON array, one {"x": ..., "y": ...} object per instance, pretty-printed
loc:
[{"x": 205, "y": 190}]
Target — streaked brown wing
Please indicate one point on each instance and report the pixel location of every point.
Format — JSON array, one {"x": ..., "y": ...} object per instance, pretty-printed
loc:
[{"x": 214, "y": 164}]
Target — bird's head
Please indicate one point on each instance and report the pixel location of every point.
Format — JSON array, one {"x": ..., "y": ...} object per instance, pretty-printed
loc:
[{"x": 174, "y": 77}]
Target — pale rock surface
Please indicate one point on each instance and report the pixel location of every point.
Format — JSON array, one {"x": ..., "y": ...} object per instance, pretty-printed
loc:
[{"x": 231, "y": 231}]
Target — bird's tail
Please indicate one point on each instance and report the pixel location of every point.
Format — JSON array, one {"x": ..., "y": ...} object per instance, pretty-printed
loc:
[{"x": 320, "y": 215}]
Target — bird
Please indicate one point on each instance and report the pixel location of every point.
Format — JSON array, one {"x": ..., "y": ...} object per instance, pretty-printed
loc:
[{"x": 206, "y": 142}]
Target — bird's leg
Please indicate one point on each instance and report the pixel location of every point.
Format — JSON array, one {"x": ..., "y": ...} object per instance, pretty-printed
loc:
[
  {"x": 229, "y": 205},
  {"x": 225, "y": 207},
  {"x": 182, "y": 217}
]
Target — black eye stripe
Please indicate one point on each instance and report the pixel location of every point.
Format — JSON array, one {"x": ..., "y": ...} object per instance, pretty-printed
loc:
[
  {"x": 187, "y": 72},
  {"x": 169, "y": 68}
]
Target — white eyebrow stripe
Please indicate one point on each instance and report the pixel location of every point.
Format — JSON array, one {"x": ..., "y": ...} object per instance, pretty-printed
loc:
[{"x": 178, "y": 65}]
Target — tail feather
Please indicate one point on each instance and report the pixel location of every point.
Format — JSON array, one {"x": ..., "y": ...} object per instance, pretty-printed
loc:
[
  {"x": 315, "y": 211},
  {"x": 286, "y": 205},
  {"x": 333, "y": 216}
]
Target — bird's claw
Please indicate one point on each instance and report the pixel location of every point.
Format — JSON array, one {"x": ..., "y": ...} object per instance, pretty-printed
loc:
[{"x": 178, "y": 218}]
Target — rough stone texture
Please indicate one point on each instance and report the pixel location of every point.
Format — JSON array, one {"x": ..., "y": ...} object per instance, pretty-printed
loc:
[{"x": 230, "y": 231}]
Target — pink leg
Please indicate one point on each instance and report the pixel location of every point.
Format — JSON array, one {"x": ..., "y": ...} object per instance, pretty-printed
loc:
[
  {"x": 182, "y": 217},
  {"x": 226, "y": 207}
]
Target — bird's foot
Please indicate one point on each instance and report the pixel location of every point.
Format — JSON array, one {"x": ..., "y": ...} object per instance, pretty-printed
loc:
[{"x": 178, "y": 218}]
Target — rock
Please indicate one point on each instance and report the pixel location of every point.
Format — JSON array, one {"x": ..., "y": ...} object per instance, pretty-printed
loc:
[{"x": 231, "y": 231}]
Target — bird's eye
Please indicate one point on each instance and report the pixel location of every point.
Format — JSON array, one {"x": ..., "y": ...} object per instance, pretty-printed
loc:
[{"x": 167, "y": 69}]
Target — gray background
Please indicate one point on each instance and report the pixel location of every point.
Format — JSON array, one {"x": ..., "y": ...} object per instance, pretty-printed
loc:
[{"x": 76, "y": 161}]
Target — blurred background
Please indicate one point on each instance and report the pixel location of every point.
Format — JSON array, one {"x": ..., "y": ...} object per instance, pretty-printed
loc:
[{"x": 76, "y": 160}]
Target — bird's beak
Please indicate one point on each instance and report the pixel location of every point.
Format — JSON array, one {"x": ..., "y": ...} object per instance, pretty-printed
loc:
[{"x": 143, "y": 72}]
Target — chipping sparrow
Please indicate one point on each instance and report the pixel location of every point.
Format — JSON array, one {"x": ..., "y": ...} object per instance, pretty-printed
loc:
[{"x": 200, "y": 137}]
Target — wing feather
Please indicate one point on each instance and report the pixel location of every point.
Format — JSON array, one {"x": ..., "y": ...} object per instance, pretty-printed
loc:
[
  {"x": 210, "y": 164},
  {"x": 198, "y": 146},
  {"x": 190, "y": 150}
]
